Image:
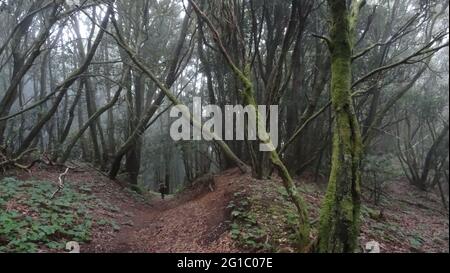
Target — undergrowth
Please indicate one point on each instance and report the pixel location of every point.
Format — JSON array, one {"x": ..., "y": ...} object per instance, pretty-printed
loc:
[
  {"x": 30, "y": 221},
  {"x": 263, "y": 219}
]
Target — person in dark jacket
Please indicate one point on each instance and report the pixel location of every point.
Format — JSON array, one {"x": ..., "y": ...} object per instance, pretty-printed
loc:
[{"x": 162, "y": 189}]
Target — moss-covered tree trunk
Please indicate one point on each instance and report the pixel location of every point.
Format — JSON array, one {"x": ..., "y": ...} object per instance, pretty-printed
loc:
[
  {"x": 303, "y": 234},
  {"x": 339, "y": 219}
]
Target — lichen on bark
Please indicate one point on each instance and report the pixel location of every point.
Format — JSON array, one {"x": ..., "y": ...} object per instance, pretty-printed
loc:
[{"x": 339, "y": 219}]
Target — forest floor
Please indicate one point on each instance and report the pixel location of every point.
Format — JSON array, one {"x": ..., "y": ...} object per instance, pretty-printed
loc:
[{"x": 407, "y": 220}]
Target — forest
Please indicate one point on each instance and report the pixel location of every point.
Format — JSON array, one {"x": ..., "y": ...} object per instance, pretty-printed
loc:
[{"x": 292, "y": 126}]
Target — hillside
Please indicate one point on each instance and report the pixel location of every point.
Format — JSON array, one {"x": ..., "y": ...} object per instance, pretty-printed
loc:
[{"x": 240, "y": 214}]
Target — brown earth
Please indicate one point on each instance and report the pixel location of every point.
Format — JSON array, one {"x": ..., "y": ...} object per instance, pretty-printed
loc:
[{"x": 194, "y": 221}]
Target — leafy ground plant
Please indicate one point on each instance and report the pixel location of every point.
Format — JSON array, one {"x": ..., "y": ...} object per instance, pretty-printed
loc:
[
  {"x": 30, "y": 221},
  {"x": 263, "y": 219}
]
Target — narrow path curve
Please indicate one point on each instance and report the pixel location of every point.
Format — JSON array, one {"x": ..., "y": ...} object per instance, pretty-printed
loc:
[{"x": 182, "y": 224}]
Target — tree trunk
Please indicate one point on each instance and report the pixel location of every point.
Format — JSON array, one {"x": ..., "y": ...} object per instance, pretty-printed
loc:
[
  {"x": 69, "y": 122},
  {"x": 89, "y": 96},
  {"x": 248, "y": 96},
  {"x": 85, "y": 126},
  {"x": 339, "y": 217},
  {"x": 141, "y": 125},
  {"x": 64, "y": 86},
  {"x": 23, "y": 64}
]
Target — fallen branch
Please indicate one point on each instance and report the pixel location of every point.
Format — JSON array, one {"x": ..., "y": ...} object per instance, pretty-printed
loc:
[
  {"x": 46, "y": 160},
  {"x": 60, "y": 183},
  {"x": 14, "y": 161}
]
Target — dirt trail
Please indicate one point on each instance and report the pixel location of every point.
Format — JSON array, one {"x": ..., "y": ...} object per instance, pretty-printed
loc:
[
  {"x": 411, "y": 221},
  {"x": 182, "y": 224},
  {"x": 188, "y": 222}
]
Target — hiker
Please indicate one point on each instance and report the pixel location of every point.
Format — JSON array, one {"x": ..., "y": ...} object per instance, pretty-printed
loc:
[{"x": 162, "y": 189}]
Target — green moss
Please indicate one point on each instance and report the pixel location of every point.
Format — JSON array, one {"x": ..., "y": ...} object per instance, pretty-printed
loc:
[
  {"x": 339, "y": 220},
  {"x": 248, "y": 95}
]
